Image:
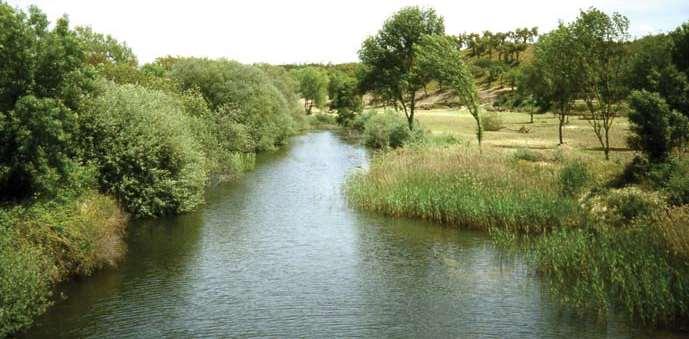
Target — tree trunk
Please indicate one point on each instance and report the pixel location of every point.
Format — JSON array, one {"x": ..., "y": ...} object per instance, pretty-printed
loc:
[
  {"x": 562, "y": 123},
  {"x": 531, "y": 114},
  {"x": 410, "y": 117},
  {"x": 308, "y": 111}
]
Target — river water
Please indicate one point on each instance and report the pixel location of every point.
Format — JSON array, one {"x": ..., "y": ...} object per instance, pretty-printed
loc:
[{"x": 280, "y": 254}]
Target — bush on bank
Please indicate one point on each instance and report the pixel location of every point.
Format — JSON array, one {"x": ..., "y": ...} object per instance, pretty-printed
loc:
[
  {"x": 45, "y": 242},
  {"x": 147, "y": 155}
]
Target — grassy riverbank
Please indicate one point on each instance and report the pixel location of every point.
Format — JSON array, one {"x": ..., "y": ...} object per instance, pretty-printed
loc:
[
  {"x": 598, "y": 245},
  {"x": 44, "y": 243}
]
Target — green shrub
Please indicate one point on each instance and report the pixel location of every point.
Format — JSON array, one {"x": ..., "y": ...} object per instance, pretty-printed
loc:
[
  {"x": 573, "y": 177},
  {"x": 46, "y": 242},
  {"x": 528, "y": 155},
  {"x": 386, "y": 130},
  {"x": 146, "y": 154},
  {"x": 620, "y": 207},
  {"x": 677, "y": 186},
  {"x": 359, "y": 122},
  {"x": 244, "y": 94},
  {"x": 492, "y": 122},
  {"x": 24, "y": 280},
  {"x": 657, "y": 129},
  {"x": 36, "y": 148}
]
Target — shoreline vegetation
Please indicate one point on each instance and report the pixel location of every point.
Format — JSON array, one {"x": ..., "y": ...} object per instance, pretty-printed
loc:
[
  {"x": 91, "y": 139},
  {"x": 598, "y": 199},
  {"x": 535, "y": 139}
]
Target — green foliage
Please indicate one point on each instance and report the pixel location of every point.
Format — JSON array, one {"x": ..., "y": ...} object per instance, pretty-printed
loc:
[
  {"x": 344, "y": 97},
  {"x": 492, "y": 122},
  {"x": 243, "y": 94},
  {"x": 657, "y": 130},
  {"x": 388, "y": 70},
  {"x": 651, "y": 68},
  {"x": 573, "y": 178},
  {"x": 146, "y": 154},
  {"x": 386, "y": 130},
  {"x": 44, "y": 242},
  {"x": 677, "y": 184},
  {"x": 439, "y": 58},
  {"x": 554, "y": 80},
  {"x": 36, "y": 147},
  {"x": 313, "y": 86},
  {"x": 104, "y": 49},
  {"x": 24, "y": 280},
  {"x": 680, "y": 47},
  {"x": 528, "y": 155},
  {"x": 625, "y": 269}
]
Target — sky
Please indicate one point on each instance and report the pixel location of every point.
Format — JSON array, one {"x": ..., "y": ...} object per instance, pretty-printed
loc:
[{"x": 304, "y": 31}]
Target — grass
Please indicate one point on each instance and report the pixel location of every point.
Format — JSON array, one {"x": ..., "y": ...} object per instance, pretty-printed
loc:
[
  {"x": 542, "y": 134},
  {"x": 461, "y": 186}
]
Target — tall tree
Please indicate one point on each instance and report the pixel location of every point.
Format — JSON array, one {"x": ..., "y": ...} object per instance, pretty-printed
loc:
[
  {"x": 313, "y": 85},
  {"x": 600, "y": 56},
  {"x": 388, "y": 60}
]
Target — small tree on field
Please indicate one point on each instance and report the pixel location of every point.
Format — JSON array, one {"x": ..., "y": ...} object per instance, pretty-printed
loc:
[
  {"x": 600, "y": 56},
  {"x": 556, "y": 81},
  {"x": 313, "y": 85},
  {"x": 438, "y": 57},
  {"x": 389, "y": 67}
]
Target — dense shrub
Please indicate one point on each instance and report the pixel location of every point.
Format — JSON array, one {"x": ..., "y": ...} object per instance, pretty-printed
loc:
[
  {"x": 243, "y": 94},
  {"x": 573, "y": 177},
  {"x": 36, "y": 147},
  {"x": 45, "y": 242},
  {"x": 620, "y": 207},
  {"x": 528, "y": 155},
  {"x": 657, "y": 129},
  {"x": 146, "y": 154},
  {"x": 385, "y": 130},
  {"x": 677, "y": 186},
  {"x": 492, "y": 122}
]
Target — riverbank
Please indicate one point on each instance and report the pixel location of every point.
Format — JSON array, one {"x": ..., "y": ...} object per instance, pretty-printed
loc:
[
  {"x": 44, "y": 243},
  {"x": 598, "y": 247}
]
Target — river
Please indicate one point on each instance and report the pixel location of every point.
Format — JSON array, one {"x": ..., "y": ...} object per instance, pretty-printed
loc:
[{"x": 279, "y": 253}]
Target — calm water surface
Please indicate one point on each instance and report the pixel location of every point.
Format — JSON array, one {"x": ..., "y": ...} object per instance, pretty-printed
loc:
[{"x": 281, "y": 254}]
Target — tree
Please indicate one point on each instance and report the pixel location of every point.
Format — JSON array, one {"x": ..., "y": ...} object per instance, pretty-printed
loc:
[
  {"x": 388, "y": 60},
  {"x": 651, "y": 67},
  {"x": 313, "y": 86},
  {"x": 344, "y": 97},
  {"x": 557, "y": 79},
  {"x": 657, "y": 130},
  {"x": 600, "y": 56},
  {"x": 104, "y": 49},
  {"x": 680, "y": 47},
  {"x": 438, "y": 57},
  {"x": 42, "y": 85}
]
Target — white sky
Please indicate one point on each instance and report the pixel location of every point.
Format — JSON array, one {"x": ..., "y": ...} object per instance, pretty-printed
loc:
[{"x": 298, "y": 31}]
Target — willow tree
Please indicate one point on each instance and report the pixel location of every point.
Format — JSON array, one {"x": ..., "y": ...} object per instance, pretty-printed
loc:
[
  {"x": 439, "y": 58},
  {"x": 388, "y": 59}
]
